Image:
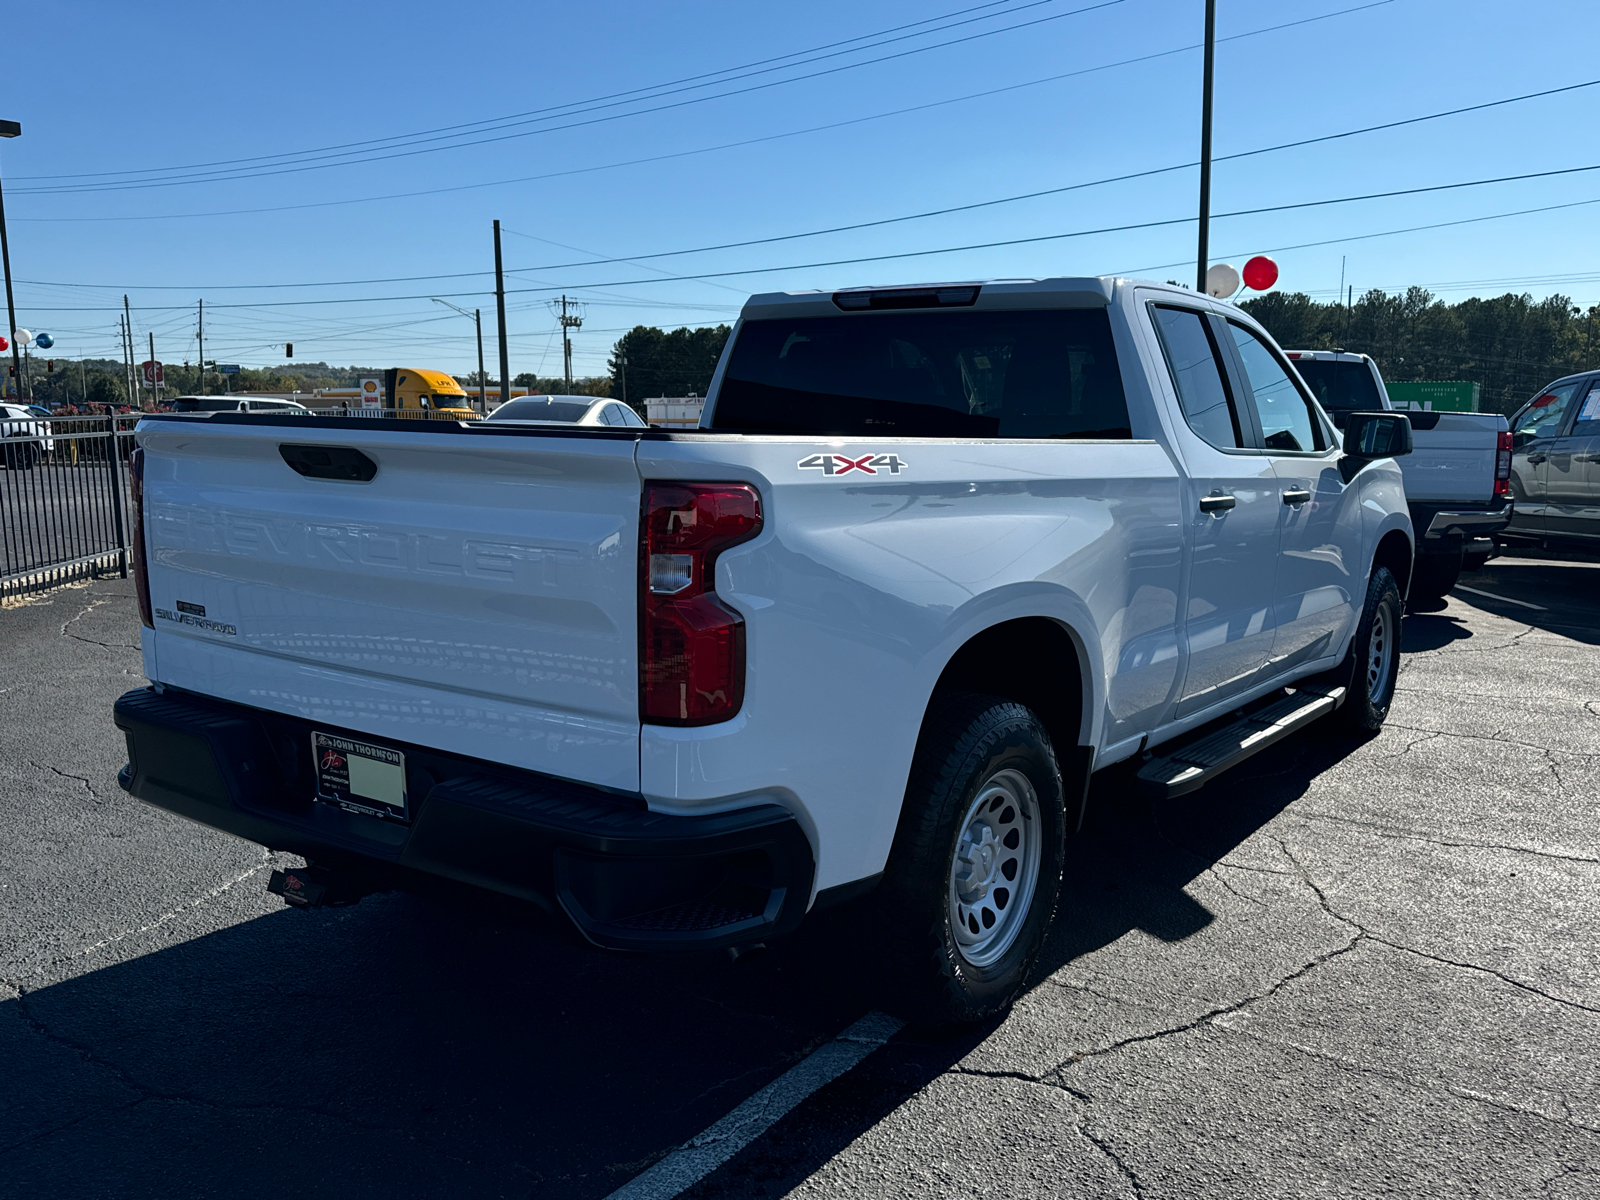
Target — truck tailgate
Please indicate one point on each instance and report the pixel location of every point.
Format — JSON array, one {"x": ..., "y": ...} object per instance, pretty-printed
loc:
[
  {"x": 477, "y": 595},
  {"x": 1452, "y": 460}
]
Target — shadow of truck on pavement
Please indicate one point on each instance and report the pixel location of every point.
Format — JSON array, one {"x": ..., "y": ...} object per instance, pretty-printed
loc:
[{"x": 408, "y": 1046}]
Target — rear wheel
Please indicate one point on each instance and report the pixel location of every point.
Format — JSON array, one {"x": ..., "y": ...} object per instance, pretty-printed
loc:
[
  {"x": 1433, "y": 576},
  {"x": 972, "y": 881},
  {"x": 1373, "y": 664}
]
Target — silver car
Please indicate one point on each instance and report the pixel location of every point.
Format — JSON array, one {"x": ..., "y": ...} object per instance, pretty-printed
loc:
[{"x": 568, "y": 410}]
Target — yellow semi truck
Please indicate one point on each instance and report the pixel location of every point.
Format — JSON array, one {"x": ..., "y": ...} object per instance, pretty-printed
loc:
[{"x": 405, "y": 391}]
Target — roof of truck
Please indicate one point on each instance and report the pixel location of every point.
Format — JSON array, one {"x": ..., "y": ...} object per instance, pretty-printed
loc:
[{"x": 1066, "y": 291}]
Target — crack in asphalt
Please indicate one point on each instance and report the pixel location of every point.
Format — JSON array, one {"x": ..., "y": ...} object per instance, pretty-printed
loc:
[
  {"x": 1466, "y": 966},
  {"x": 1457, "y": 648},
  {"x": 1364, "y": 933},
  {"x": 1212, "y": 871},
  {"x": 146, "y": 1092},
  {"x": 188, "y": 905},
  {"x": 1481, "y": 737},
  {"x": 1421, "y": 1085},
  {"x": 1414, "y": 836},
  {"x": 1116, "y": 1159},
  {"x": 94, "y": 603},
  {"x": 88, "y": 787}
]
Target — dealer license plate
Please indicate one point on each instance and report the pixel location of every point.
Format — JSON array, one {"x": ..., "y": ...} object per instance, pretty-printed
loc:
[{"x": 360, "y": 777}]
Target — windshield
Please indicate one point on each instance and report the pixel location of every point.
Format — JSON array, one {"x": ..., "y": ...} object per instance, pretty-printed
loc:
[
  {"x": 540, "y": 410},
  {"x": 1040, "y": 374},
  {"x": 446, "y": 400},
  {"x": 1341, "y": 386}
]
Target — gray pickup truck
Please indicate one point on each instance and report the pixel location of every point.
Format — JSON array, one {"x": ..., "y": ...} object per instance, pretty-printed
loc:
[{"x": 1457, "y": 476}]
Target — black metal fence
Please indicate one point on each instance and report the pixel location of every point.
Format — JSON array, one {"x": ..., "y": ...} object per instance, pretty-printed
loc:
[{"x": 63, "y": 498}]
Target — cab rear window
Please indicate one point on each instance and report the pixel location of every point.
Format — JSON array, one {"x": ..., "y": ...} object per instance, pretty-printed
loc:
[
  {"x": 1340, "y": 386},
  {"x": 970, "y": 374}
]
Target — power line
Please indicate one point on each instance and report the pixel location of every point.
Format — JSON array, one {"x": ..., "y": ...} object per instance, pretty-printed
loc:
[
  {"x": 310, "y": 164},
  {"x": 1143, "y": 58},
  {"x": 639, "y": 258},
  {"x": 488, "y": 121},
  {"x": 1048, "y": 237}
]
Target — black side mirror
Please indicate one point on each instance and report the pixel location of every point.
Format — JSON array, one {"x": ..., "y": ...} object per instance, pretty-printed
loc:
[{"x": 1369, "y": 436}]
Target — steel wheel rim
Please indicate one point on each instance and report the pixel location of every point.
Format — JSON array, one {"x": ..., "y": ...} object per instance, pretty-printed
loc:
[
  {"x": 1380, "y": 649},
  {"x": 994, "y": 871}
]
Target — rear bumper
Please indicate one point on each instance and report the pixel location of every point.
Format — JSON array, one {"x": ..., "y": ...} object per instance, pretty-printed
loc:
[
  {"x": 1445, "y": 527},
  {"x": 629, "y": 878}
]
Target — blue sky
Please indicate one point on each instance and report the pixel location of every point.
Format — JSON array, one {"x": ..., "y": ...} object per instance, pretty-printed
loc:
[{"x": 114, "y": 98}]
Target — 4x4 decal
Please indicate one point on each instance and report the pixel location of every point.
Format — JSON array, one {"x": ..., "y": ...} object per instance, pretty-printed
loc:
[{"x": 839, "y": 464}]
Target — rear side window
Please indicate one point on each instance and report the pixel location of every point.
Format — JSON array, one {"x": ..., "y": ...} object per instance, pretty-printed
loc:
[
  {"x": 1039, "y": 374},
  {"x": 1588, "y": 421},
  {"x": 1197, "y": 374},
  {"x": 1287, "y": 422}
]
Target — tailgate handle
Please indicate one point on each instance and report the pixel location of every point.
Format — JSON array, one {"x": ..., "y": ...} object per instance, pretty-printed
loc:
[{"x": 329, "y": 462}]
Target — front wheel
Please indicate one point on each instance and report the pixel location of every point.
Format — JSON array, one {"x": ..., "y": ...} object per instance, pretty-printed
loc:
[
  {"x": 1374, "y": 659},
  {"x": 972, "y": 880}
]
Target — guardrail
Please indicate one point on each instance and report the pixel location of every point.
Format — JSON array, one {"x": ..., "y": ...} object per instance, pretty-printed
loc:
[{"x": 63, "y": 499}]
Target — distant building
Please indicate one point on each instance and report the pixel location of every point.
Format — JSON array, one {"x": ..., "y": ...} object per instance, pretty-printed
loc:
[{"x": 674, "y": 412}]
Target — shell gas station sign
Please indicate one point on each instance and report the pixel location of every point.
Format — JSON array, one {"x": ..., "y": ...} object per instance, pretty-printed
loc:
[{"x": 371, "y": 397}]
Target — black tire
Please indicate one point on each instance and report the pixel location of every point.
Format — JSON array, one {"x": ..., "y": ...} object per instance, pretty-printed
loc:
[
  {"x": 971, "y": 746},
  {"x": 1371, "y": 686},
  {"x": 1433, "y": 575}
]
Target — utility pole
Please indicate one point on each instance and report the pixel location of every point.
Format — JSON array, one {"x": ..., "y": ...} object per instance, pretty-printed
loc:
[
  {"x": 1205, "y": 148},
  {"x": 127, "y": 321},
  {"x": 83, "y": 377},
  {"x": 202, "y": 336},
  {"x": 568, "y": 323},
  {"x": 10, "y": 129},
  {"x": 155, "y": 386},
  {"x": 500, "y": 312},
  {"x": 483, "y": 400}
]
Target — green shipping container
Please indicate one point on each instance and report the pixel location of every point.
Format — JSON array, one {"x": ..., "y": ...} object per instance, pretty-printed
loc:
[{"x": 1433, "y": 395}]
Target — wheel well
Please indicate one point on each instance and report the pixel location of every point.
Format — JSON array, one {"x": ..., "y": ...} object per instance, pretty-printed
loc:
[
  {"x": 1394, "y": 552},
  {"x": 1032, "y": 661}
]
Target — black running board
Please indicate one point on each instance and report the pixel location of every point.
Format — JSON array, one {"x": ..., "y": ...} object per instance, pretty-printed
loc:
[{"x": 1191, "y": 766}]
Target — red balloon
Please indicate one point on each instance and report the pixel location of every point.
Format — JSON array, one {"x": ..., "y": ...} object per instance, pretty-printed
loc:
[
  {"x": 1260, "y": 273},
  {"x": 4, "y": 344}
]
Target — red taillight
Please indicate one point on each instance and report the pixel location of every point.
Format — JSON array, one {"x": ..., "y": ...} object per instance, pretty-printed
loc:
[
  {"x": 691, "y": 647},
  {"x": 1502, "y": 464},
  {"x": 141, "y": 573}
]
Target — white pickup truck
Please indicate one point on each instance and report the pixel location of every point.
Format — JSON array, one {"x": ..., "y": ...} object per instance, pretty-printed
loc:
[
  {"x": 934, "y": 556},
  {"x": 1458, "y": 477}
]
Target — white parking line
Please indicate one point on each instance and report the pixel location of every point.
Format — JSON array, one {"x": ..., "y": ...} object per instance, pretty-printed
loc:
[
  {"x": 1461, "y": 587},
  {"x": 707, "y": 1151}
]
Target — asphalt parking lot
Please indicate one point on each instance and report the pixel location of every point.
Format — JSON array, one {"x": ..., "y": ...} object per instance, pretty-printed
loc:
[{"x": 1342, "y": 970}]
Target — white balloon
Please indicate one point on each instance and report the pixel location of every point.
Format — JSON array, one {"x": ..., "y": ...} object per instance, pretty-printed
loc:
[
  {"x": 23, "y": 337},
  {"x": 1222, "y": 281}
]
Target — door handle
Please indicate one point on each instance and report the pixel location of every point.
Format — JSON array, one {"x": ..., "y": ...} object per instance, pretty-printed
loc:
[
  {"x": 1296, "y": 496},
  {"x": 1536, "y": 459},
  {"x": 1216, "y": 504}
]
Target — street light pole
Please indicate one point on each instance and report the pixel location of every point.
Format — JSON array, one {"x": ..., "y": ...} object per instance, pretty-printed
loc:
[
  {"x": 477, "y": 320},
  {"x": 1205, "y": 148},
  {"x": 10, "y": 129}
]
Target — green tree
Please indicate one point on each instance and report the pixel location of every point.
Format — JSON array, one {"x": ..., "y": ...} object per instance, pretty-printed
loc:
[
  {"x": 647, "y": 361},
  {"x": 1510, "y": 345}
]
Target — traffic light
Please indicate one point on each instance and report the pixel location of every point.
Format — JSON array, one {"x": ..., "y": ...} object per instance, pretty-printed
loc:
[
  {"x": 288, "y": 349},
  {"x": 49, "y": 366}
]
